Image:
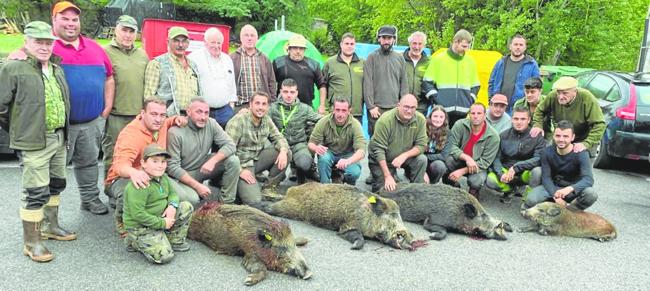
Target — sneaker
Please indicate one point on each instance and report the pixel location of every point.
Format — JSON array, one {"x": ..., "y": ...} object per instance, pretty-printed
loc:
[
  {"x": 94, "y": 206},
  {"x": 181, "y": 247}
]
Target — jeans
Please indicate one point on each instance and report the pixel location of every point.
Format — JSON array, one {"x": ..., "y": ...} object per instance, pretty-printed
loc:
[{"x": 327, "y": 161}]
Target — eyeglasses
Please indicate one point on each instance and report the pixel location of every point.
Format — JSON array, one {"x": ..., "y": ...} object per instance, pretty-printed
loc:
[{"x": 409, "y": 108}]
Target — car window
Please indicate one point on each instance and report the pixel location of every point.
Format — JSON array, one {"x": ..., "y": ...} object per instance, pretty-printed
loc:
[
  {"x": 614, "y": 95},
  {"x": 600, "y": 86},
  {"x": 643, "y": 94},
  {"x": 583, "y": 79}
]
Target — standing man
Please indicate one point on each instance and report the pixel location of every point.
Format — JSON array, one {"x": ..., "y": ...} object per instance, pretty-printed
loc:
[
  {"x": 417, "y": 62},
  {"x": 172, "y": 76},
  {"x": 384, "y": 77},
  {"x": 451, "y": 79},
  {"x": 253, "y": 70},
  {"x": 566, "y": 173},
  {"x": 474, "y": 145},
  {"x": 399, "y": 141},
  {"x": 496, "y": 114},
  {"x": 295, "y": 120},
  {"x": 191, "y": 161},
  {"x": 305, "y": 71},
  {"x": 129, "y": 63},
  {"x": 576, "y": 105},
  {"x": 344, "y": 76},
  {"x": 216, "y": 76},
  {"x": 251, "y": 132},
  {"x": 511, "y": 71},
  {"x": 34, "y": 106},
  {"x": 338, "y": 140}
]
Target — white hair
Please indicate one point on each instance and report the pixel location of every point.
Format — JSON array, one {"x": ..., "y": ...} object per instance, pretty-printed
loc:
[
  {"x": 212, "y": 31},
  {"x": 416, "y": 34}
]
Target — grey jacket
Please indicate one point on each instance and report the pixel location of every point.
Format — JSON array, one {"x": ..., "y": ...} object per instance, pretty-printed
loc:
[{"x": 384, "y": 79}]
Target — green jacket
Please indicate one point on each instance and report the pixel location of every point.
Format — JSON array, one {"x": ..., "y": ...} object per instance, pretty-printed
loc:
[
  {"x": 415, "y": 73},
  {"x": 349, "y": 140},
  {"x": 393, "y": 137},
  {"x": 128, "y": 71},
  {"x": 485, "y": 149},
  {"x": 22, "y": 102},
  {"x": 296, "y": 123},
  {"x": 584, "y": 112},
  {"x": 345, "y": 81},
  {"x": 144, "y": 207}
]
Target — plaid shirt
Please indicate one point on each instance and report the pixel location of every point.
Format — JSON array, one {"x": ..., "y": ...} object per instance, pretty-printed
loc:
[
  {"x": 249, "y": 79},
  {"x": 186, "y": 86},
  {"x": 250, "y": 139},
  {"x": 54, "y": 105}
]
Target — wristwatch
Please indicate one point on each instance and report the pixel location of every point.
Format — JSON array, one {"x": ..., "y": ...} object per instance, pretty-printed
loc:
[{"x": 173, "y": 204}]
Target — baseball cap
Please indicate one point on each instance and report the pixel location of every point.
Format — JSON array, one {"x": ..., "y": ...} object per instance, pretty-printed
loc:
[
  {"x": 499, "y": 98},
  {"x": 127, "y": 21},
  {"x": 39, "y": 30},
  {"x": 175, "y": 31},
  {"x": 155, "y": 149},
  {"x": 64, "y": 5},
  {"x": 389, "y": 30},
  {"x": 565, "y": 83},
  {"x": 297, "y": 41}
]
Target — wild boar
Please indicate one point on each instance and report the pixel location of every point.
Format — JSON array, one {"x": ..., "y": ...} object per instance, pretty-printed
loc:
[
  {"x": 238, "y": 230},
  {"x": 441, "y": 207},
  {"x": 550, "y": 218}
]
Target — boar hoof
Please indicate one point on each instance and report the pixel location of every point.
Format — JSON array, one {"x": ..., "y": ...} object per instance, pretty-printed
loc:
[
  {"x": 301, "y": 241},
  {"x": 358, "y": 244},
  {"x": 506, "y": 226},
  {"x": 254, "y": 278}
]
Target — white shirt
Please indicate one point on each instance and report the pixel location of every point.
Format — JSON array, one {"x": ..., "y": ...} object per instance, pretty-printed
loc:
[{"x": 216, "y": 77}]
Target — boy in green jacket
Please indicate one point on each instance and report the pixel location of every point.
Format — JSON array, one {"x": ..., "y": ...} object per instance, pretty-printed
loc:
[{"x": 156, "y": 223}]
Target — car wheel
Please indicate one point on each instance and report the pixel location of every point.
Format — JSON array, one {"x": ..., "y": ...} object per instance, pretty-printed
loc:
[{"x": 602, "y": 160}]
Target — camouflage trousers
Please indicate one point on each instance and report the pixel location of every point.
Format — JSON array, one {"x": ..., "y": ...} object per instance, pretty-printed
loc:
[{"x": 156, "y": 245}]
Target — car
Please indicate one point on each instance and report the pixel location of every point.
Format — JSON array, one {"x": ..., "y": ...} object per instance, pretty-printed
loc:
[{"x": 625, "y": 101}]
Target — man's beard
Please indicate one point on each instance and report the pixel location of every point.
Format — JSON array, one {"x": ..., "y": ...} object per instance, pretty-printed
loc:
[{"x": 385, "y": 48}]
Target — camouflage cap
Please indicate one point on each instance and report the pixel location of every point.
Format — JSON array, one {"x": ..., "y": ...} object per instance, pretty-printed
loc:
[
  {"x": 127, "y": 21},
  {"x": 175, "y": 31},
  {"x": 39, "y": 30},
  {"x": 155, "y": 149},
  {"x": 565, "y": 83}
]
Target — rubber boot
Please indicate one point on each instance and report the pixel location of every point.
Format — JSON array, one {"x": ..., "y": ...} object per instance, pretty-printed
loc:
[
  {"x": 33, "y": 247},
  {"x": 51, "y": 228}
]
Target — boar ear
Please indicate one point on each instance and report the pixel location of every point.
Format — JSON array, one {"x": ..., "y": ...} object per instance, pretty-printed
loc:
[
  {"x": 470, "y": 210},
  {"x": 554, "y": 211},
  {"x": 378, "y": 205},
  {"x": 264, "y": 237}
]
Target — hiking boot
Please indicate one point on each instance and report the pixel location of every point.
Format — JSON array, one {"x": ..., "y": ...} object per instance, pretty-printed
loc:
[
  {"x": 181, "y": 247},
  {"x": 51, "y": 228},
  {"x": 95, "y": 206},
  {"x": 33, "y": 247}
]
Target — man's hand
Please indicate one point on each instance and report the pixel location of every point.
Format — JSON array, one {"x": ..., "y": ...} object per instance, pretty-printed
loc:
[
  {"x": 169, "y": 222},
  {"x": 202, "y": 190},
  {"x": 399, "y": 161},
  {"x": 208, "y": 166},
  {"x": 389, "y": 183},
  {"x": 560, "y": 194},
  {"x": 455, "y": 175},
  {"x": 426, "y": 178},
  {"x": 508, "y": 176},
  {"x": 106, "y": 112},
  {"x": 472, "y": 166},
  {"x": 247, "y": 176},
  {"x": 322, "y": 110},
  {"x": 281, "y": 161},
  {"x": 180, "y": 121},
  {"x": 170, "y": 211},
  {"x": 578, "y": 147},
  {"x": 18, "y": 54},
  {"x": 342, "y": 164},
  {"x": 140, "y": 179},
  {"x": 321, "y": 150},
  {"x": 374, "y": 113},
  {"x": 535, "y": 131}
]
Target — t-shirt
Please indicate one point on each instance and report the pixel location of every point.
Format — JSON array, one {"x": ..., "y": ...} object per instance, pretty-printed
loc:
[
  {"x": 511, "y": 69},
  {"x": 469, "y": 146}
]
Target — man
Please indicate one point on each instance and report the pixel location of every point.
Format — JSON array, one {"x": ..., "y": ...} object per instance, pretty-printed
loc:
[
  {"x": 253, "y": 70},
  {"x": 129, "y": 63},
  {"x": 417, "y": 62},
  {"x": 496, "y": 113},
  {"x": 344, "y": 76},
  {"x": 517, "y": 161},
  {"x": 474, "y": 145},
  {"x": 295, "y": 120},
  {"x": 34, "y": 106},
  {"x": 398, "y": 142},
  {"x": 338, "y": 141},
  {"x": 566, "y": 173},
  {"x": 216, "y": 76},
  {"x": 150, "y": 126},
  {"x": 451, "y": 79},
  {"x": 172, "y": 76},
  {"x": 511, "y": 71},
  {"x": 384, "y": 77},
  {"x": 305, "y": 71},
  {"x": 534, "y": 97},
  {"x": 191, "y": 162},
  {"x": 250, "y": 131},
  {"x": 576, "y": 105}
]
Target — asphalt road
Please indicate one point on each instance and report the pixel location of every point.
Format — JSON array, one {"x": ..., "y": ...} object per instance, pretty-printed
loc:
[{"x": 97, "y": 260}]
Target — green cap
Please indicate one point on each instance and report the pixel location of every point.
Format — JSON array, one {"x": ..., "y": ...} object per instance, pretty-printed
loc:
[
  {"x": 39, "y": 30},
  {"x": 127, "y": 21},
  {"x": 175, "y": 31},
  {"x": 155, "y": 149},
  {"x": 565, "y": 83}
]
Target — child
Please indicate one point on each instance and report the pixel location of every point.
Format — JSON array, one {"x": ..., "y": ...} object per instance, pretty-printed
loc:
[{"x": 156, "y": 223}]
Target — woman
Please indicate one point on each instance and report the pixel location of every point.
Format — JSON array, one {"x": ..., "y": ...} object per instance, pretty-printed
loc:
[{"x": 438, "y": 147}]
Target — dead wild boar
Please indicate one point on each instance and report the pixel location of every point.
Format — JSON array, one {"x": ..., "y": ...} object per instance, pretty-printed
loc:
[
  {"x": 441, "y": 207},
  {"x": 354, "y": 213},
  {"x": 550, "y": 218},
  {"x": 238, "y": 230}
]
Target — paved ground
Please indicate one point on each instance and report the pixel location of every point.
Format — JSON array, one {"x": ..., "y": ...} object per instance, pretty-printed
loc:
[{"x": 98, "y": 261}]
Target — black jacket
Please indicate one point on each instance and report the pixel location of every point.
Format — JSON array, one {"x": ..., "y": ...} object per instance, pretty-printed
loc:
[{"x": 518, "y": 150}]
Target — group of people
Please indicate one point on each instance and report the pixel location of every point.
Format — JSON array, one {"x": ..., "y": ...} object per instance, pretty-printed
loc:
[{"x": 181, "y": 129}]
